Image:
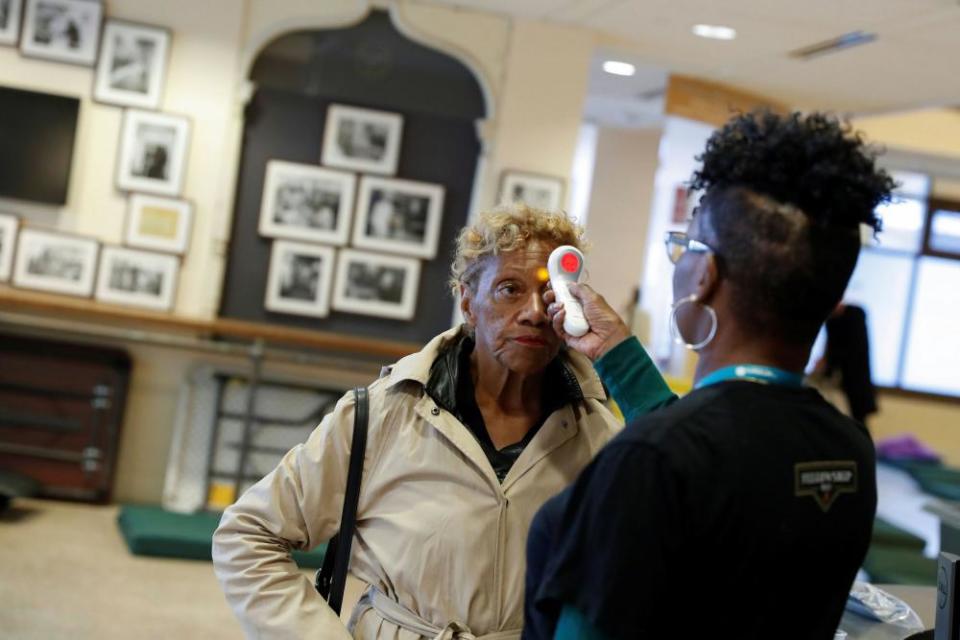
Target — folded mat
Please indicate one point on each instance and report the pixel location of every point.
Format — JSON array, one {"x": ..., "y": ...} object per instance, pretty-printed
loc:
[
  {"x": 942, "y": 482},
  {"x": 933, "y": 477},
  {"x": 886, "y": 534},
  {"x": 152, "y": 531},
  {"x": 896, "y": 565},
  {"x": 896, "y": 557}
]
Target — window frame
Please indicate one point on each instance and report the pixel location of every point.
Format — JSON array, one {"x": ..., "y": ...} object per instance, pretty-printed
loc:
[{"x": 933, "y": 204}]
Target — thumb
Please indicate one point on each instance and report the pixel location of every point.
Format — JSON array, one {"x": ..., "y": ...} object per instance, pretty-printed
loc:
[{"x": 582, "y": 292}]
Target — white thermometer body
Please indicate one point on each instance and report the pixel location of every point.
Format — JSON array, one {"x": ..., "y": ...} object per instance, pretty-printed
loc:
[{"x": 564, "y": 266}]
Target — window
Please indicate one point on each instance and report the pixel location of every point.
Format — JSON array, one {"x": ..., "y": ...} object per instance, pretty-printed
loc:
[
  {"x": 933, "y": 339},
  {"x": 908, "y": 282},
  {"x": 944, "y": 236},
  {"x": 881, "y": 285}
]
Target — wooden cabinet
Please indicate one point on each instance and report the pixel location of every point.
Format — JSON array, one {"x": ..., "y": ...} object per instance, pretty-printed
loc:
[{"x": 61, "y": 410}]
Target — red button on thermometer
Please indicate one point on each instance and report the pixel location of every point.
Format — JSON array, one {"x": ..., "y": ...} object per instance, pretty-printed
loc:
[{"x": 564, "y": 266}]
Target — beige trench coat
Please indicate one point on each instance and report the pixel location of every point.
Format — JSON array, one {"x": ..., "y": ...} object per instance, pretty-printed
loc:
[{"x": 436, "y": 532}]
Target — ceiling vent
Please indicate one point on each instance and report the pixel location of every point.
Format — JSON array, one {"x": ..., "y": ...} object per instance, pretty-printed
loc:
[{"x": 833, "y": 45}]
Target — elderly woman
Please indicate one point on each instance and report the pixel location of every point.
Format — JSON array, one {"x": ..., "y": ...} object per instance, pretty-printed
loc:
[
  {"x": 468, "y": 438},
  {"x": 744, "y": 509}
]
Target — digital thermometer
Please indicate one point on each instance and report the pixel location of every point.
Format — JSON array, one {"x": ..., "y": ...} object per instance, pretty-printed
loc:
[{"x": 564, "y": 266}]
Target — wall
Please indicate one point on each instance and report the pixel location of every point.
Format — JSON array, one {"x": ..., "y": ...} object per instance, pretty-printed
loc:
[
  {"x": 201, "y": 31},
  {"x": 621, "y": 198},
  {"x": 541, "y": 107},
  {"x": 930, "y": 131},
  {"x": 534, "y": 75},
  {"x": 934, "y": 422},
  {"x": 681, "y": 141}
]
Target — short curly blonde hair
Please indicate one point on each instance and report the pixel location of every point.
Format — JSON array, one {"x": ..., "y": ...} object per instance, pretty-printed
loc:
[{"x": 507, "y": 228}]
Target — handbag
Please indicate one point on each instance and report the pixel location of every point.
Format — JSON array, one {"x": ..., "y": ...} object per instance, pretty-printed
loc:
[{"x": 332, "y": 576}]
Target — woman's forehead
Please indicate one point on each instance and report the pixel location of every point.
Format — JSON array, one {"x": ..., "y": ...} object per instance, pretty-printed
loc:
[{"x": 528, "y": 258}]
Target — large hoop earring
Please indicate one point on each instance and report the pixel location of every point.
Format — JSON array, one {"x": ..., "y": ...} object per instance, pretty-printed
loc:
[{"x": 675, "y": 328}]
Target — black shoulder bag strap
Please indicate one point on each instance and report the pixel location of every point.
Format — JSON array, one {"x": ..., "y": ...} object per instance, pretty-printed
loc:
[{"x": 332, "y": 577}]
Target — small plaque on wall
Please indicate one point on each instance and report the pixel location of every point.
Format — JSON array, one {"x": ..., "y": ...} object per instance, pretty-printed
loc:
[{"x": 160, "y": 224}]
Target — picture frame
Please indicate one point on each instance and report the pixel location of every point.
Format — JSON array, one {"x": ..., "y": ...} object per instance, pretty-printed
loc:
[
  {"x": 55, "y": 262},
  {"x": 398, "y": 216},
  {"x": 136, "y": 278},
  {"x": 62, "y": 30},
  {"x": 10, "y": 13},
  {"x": 374, "y": 284},
  {"x": 306, "y": 202},
  {"x": 360, "y": 139},
  {"x": 153, "y": 152},
  {"x": 300, "y": 278},
  {"x": 539, "y": 191},
  {"x": 132, "y": 66},
  {"x": 9, "y": 226},
  {"x": 158, "y": 224}
]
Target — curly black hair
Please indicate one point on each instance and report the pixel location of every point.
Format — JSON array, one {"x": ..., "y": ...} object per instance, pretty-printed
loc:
[
  {"x": 784, "y": 197},
  {"x": 814, "y": 162}
]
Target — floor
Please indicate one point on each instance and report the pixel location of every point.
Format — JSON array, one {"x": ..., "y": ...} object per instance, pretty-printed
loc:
[{"x": 65, "y": 572}]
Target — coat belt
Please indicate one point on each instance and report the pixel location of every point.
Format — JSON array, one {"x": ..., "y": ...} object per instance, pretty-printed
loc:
[{"x": 395, "y": 613}]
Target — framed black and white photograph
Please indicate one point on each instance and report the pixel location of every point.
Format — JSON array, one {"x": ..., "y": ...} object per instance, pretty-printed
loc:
[
  {"x": 153, "y": 152},
  {"x": 10, "y": 11},
  {"x": 540, "y": 192},
  {"x": 306, "y": 202},
  {"x": 376, "y": 285},
  {"x": 132, "y": 65},
  {"x": 8, "y": 240},
  {"x": 62, "y": 30},
  {"x": 299, "y": 279},
  {"x": 135, "y": 278},
  {"x": 362, "y": 139},
  {"x": 399, "y": 216},
  {"x": 159, "y": 224},
  {"x": 55, "y": 262}
]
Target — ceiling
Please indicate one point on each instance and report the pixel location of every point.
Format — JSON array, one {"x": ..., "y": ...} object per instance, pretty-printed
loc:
[{"x": 913, "y": 62}]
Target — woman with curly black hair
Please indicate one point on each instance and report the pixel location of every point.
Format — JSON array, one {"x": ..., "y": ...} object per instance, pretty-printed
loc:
[{"x": 744, "y": 509}]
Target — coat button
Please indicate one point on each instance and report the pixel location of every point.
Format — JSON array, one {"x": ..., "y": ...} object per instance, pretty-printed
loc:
[{"x": 435, "y": 411}]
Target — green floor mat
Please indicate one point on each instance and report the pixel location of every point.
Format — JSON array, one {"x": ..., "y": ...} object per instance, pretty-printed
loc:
[
  {"x": 943, "y": 482},
  {"x": 933, "y": 477},
  {"x": 897, "y": 565},
  {"x": 890, "y": 535},
  {"x": 152, "y": 531}
]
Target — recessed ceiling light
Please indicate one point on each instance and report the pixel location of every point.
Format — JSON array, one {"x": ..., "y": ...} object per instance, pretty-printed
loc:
[
  {"x": 618, "y": 68},
  {"x": 716, "y": 32}
]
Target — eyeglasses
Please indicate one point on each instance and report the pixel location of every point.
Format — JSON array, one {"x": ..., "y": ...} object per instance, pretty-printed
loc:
[{"x": 678, "y": 243}]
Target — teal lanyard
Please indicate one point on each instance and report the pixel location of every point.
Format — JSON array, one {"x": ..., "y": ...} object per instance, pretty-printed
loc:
[{"x": 759, "y": 373}]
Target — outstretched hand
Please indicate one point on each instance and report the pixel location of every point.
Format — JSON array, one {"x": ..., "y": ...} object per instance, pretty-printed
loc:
[{"x": 607, "y": 330}]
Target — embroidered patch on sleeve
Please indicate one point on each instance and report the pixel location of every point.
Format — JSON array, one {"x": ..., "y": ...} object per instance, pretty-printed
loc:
[{"x": 825, "y": 480}]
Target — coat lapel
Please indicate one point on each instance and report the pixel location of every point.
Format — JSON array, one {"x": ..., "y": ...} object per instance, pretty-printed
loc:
[
  {"x": 561, "y": 426},
  {"x": 458, "y": 435}
]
